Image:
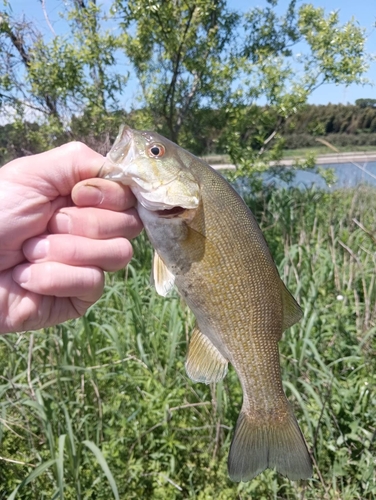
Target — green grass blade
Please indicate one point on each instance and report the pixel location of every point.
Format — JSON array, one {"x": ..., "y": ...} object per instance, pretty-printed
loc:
[
  {"x": 60, "y": 465},
  {"x": 33, "y": 475},
  {"x": 103, "y": 463}
]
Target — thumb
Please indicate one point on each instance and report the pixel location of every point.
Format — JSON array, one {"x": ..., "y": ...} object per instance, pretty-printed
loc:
[{"x": 55, "y": 172}]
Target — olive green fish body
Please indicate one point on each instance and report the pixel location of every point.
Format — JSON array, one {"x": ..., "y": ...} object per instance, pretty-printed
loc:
[{"x": 215, "y": 253}]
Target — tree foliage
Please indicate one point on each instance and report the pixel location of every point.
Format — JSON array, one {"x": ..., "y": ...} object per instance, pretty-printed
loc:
[
  {"x": 181, "y": 52},
  {"x": 275, "y": 72},
  {"x": 56, "y": 78},
  {"x": 366, "y": 103}
]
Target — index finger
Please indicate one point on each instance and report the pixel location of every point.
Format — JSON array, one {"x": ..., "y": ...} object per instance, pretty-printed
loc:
[{"x": 103, "y": 193}]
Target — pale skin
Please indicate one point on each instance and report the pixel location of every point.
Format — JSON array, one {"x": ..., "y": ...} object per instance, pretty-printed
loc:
[{"x": 60, "y": 229}]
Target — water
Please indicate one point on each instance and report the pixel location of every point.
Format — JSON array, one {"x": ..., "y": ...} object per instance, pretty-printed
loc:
[{"x": 347, "y": 175}]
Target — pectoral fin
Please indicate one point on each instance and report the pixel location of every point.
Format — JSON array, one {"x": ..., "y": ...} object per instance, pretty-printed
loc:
[
  {"x": 204, "y": 362},
  {"x": 292, "y": 312},
  {"x": 162, "y": 279}
]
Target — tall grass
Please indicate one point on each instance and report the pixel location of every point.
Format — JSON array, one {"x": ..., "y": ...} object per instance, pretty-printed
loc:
[{"x": 102, "y": 408}]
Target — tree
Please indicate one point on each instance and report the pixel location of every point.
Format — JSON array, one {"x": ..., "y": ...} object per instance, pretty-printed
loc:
[
  {"x": 329, "y": 53},
  {"x": 366, "y": 103},
  {"x": 178, "y": 50},
  {"x": 54, "y": 78}
]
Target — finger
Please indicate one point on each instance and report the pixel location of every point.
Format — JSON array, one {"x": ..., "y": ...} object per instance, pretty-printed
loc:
[
  {"x": 106, "y": 194},
  {"x": 55, "y": 172},
  {"x": 31, "y": 311},
  {"x": 96, "y": 223},
  {"x": 110, "y": 255},
  {"x": 60, "y": 280}
]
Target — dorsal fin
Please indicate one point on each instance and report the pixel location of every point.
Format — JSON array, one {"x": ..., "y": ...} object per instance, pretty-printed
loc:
[
  {"x": 162, "y": 279},
  {"x": 204, "y": 362},
  {"x": 292, "y": 312}
]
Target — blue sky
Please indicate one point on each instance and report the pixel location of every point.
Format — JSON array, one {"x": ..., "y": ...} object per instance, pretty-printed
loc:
[{"x": 364, "y": 11}]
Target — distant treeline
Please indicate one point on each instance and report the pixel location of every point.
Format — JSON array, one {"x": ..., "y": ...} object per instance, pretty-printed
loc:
[
  {"x": 342, "y": 125},
  {"x": 207, "y": 131}
]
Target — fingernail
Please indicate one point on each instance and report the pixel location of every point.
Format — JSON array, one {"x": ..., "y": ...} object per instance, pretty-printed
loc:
[
  {"x": 36, "y": 248},
  {"x": 63, "y": 222},
  {"x": 21, "y": 274},
  {"x": 89, "y": 195}
]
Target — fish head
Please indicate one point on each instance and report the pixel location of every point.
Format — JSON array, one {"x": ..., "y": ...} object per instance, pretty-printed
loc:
[{"x": 154, "y": 169}]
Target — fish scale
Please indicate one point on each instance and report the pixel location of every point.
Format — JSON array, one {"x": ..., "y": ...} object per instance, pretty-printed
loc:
[{"x": 210, "y": 246}]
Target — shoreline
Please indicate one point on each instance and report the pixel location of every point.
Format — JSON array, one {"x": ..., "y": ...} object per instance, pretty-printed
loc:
[{"x": 323, "y": 159}]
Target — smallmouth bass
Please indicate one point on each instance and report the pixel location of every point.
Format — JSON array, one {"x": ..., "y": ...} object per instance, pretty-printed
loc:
[{"x": 208, "y": 243}]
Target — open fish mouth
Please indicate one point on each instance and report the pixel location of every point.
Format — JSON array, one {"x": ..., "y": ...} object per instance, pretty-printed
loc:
[{"x": 171, "y": 213}]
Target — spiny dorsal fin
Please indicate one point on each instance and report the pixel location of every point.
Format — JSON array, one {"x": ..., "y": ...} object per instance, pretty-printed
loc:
[
  {"x": 292, "y": 312},
  {"x": 204, "y": 362},
  {"x": 162, "y": 279}
]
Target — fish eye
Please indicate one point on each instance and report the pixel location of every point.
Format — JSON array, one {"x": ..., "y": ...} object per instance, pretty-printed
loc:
[{"x": 156, "y": 150}]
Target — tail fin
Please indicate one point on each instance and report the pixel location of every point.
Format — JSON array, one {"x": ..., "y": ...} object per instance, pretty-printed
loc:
[{"x": 257, "y": 446}]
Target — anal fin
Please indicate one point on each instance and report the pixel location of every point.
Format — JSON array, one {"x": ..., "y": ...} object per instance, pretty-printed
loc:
[
  {"x": 162, "y": 279},
  {"x": 204, "y": 362}
]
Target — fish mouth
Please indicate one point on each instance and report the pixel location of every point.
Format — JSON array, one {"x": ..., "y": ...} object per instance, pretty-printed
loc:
[
  {"x": 170, "y": 213},
  {"x": 122, "y": 152}
]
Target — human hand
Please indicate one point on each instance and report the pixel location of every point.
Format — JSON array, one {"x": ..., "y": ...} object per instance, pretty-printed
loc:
[{"x": 60, "y": 229}]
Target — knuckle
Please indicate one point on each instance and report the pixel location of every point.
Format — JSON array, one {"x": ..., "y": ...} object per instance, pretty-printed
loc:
[
  {"x": 95, "y": 283},
  {"x": 76, "y": 148},
  {"x": 95, "y": 278},
  {"x": 122, "y": 253}
]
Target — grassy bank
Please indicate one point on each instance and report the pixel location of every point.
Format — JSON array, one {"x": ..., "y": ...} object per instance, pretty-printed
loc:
[{"x": 101, "y": 407}]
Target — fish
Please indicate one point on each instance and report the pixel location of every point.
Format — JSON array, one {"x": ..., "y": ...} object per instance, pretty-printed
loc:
[{"x": 209, "y": 246}]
